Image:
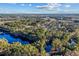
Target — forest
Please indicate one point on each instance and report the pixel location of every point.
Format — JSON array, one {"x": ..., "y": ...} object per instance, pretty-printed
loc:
[{"x": 46, "y": 37}]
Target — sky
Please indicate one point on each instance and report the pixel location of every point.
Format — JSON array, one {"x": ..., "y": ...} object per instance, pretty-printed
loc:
[{"x": 39, "y": 8}]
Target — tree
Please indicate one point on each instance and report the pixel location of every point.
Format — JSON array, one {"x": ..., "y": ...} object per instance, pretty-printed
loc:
[
  {"x": 56, "y": 43},
  {"x": 65, "y": 39}
]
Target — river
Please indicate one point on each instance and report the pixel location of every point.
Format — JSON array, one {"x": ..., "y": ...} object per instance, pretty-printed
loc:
[{"x": 12, "y": 39}]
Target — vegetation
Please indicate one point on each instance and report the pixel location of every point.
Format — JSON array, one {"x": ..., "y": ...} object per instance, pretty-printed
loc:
[{"x": 63, "y": 37}]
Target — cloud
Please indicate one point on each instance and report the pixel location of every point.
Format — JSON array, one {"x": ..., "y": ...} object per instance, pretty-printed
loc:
[
  {"x": 67, "y": 6},
  {"x": 50, "y": 6},
  {"x": 30, "y": 4},
  {"x": 22, "y": 4},
  {"x": 25, "y": 4}
]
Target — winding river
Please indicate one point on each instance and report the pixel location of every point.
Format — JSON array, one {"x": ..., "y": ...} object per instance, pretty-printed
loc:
[{"x": 12, "y": 39}]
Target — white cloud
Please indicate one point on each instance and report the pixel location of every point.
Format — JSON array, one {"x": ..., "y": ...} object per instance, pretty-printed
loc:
[
  {"x": 30, "y": 4},
  {"x": 22, "y": 4},
  {"x": 50, "y": 6},
  {"x": 54, "y": 5},
  {"x": 67, "y": 6}
]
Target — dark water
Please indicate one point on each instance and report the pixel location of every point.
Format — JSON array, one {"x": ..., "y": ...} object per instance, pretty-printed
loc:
[
  {"x": 48, "y": 48},
  {"x": 11, "y": 39}
]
